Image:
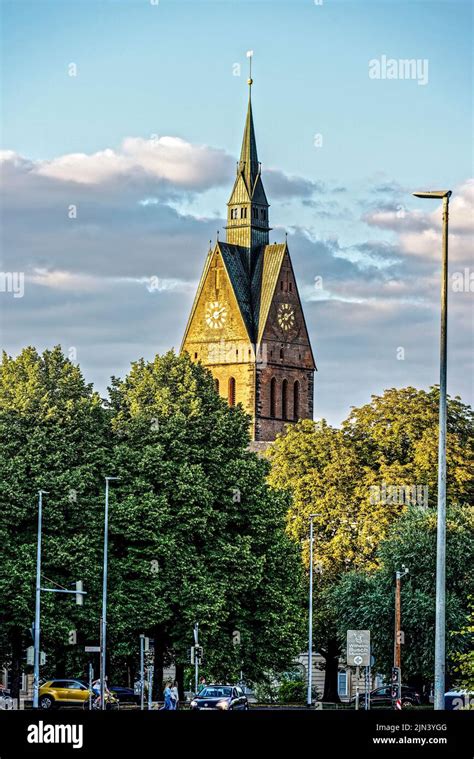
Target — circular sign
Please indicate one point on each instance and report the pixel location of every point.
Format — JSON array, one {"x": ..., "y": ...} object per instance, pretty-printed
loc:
[{"x": 358, "y": 660}]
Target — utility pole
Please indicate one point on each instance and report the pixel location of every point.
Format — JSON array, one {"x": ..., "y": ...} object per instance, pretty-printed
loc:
[
  {"x": 396, "y": 646},
  {"x": 103, "y": 651},
  {"x": 142, "y": 669},
  {"x": 309, "y": 695},
  {"x": 440, "y": 622},
  {"x": 196, "y": 656},
  {"x": 91, "y": 675},
  {"x": 150, "y": 685}
]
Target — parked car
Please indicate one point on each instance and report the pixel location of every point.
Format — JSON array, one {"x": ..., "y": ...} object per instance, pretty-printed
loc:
[
  {"x": 124, "y": 694},
  {"x": 221, "y": 697},
  {"x": 56, "y": 693},
  {"x": 381, "y": 698}
]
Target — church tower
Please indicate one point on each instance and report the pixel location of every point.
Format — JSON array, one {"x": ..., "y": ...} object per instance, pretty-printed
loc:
[{"x": 247, "y": 323}]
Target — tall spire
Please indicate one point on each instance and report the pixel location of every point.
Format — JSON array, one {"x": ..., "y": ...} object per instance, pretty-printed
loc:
[
  {"x": 248, "y": 163},
  {"x": 248, "y": 206}
]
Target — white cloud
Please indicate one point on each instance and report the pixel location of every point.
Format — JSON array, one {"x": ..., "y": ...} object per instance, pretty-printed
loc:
[
  {"x": 419, "y": 232},
  {"x": 166, "y": 159}
]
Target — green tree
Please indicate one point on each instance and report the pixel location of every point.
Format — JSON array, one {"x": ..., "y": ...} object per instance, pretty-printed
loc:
[
  {"x": 53, "y": 435},
  {"x": 464, "y": 660},
  {"x": 196, "y": 533},
  {"x": 365, "y": 600},
  {"x": 356, "y": 480}
]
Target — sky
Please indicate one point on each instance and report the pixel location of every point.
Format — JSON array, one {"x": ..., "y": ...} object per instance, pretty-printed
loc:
[{"x": 121, "y": 124}]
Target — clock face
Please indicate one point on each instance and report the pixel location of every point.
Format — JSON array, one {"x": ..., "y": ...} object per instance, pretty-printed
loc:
[
  {"x": 286, "y": 316},
  {"x": 216, "y": 314}
]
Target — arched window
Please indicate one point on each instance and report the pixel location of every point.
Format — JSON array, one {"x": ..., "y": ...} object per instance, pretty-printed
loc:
[
  {"x": 281, "y": 353},
  {"x": 273, "y": 387},
  {"x": 216, "y": 384},
  {"x": 231, "y": 395},
  {"x": 296, "y": 400},
  {"x": 284, "y": 399}
]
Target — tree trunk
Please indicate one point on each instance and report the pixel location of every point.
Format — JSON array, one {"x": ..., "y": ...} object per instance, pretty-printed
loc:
[
  {"x": 331, "y": 672},
  {"x": 159, "y": 662},
  {"x": 16, "y": 662},
  {"x": 180, "y": 680}
]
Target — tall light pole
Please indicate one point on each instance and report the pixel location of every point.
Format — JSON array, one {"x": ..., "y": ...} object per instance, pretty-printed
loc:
[
  {"x": 38, "y": 602},
  {"x": 440, "y": 625},
  {"x": 309, "y": 697},
  {"x": 398, "y": 636},
  {"x": 104, "y": 594}
]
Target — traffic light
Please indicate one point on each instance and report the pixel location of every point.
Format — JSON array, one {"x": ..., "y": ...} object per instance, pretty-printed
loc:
[
  {"x": 198, "y": 652},
  {"x": 42, "y": 658},
  {"x": 30, "y": 655},
  {"x": 395, "y": 683},
  {"x": 79, "y": 596},
  {"x": 191, "y": 654}
]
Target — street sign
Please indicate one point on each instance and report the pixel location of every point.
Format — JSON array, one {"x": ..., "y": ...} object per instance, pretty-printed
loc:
[
  {"x": 358, "y": 648},
  {"x": 92, "y": 649}
]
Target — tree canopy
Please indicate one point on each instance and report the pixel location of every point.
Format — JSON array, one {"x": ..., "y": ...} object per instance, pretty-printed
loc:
[
  {"x": 195, "y": 531},
  {"x": 358, "y": 481}
]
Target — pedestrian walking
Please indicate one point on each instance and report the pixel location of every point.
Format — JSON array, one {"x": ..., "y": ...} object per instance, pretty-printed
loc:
[
  {"x": 175, "y": 695},
  {"x": 168, "y": 697}
]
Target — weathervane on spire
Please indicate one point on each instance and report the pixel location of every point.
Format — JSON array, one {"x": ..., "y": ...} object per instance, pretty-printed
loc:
[{"x": 249, "y": 56}]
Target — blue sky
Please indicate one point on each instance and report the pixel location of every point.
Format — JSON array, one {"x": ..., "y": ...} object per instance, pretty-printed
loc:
[{"x": 168, "y": 70}]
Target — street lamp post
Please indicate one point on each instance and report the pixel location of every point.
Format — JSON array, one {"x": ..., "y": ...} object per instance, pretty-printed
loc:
[
  {"x": 78, "y": 592},
  {"x": 309, "y": 697},
  {"x": 38, "y": 603},
  {"x": 397, "y": 658},
  {"x": 104, "y": 594},
  {"x": 440, "y": 625}
]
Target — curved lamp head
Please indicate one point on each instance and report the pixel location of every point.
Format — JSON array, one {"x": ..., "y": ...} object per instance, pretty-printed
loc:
[{"x": 432, "y": 194}]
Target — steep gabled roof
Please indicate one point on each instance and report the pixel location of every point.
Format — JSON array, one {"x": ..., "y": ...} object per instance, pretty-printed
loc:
[
  {"x": 273, "y": 256},
  {"x": 210, "y": 254},
  {"x": 235, "y": 259}
]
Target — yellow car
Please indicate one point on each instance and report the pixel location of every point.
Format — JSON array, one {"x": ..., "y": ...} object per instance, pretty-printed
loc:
[{"x": 56, "y": 693}]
